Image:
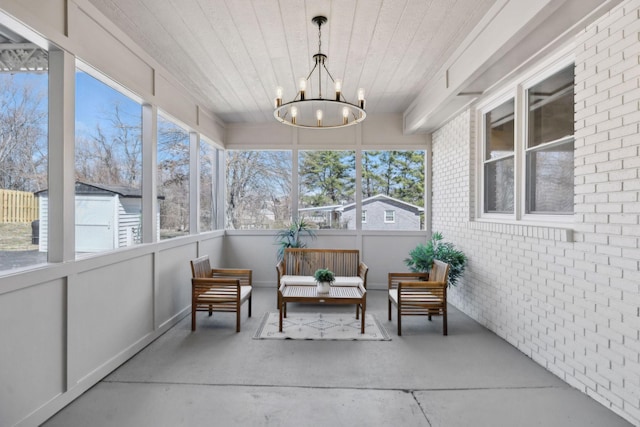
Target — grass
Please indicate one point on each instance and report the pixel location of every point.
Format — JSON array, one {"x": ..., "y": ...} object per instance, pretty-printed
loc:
[{"x": 16, "y": 237}]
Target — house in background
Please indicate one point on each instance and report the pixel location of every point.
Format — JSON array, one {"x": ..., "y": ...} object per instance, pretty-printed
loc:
[
  {"x": 379, "y": 212},
  {"x": 382, "y": 212},
  {"x": 107, "y": 217}
]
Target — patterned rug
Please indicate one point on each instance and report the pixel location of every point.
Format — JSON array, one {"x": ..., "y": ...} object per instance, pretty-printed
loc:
[{"x": 321, "y": 326}]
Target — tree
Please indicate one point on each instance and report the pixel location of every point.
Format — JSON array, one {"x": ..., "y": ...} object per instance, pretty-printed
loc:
[
  {"x": 258, "y": 189},
  {"x": 173, "y": 176},
  {"x": 327, "y": 177},
  {"x": 112, "y": 152},
  {"x": 398, "y": 174},
  {"x": 23, "y": 142}
]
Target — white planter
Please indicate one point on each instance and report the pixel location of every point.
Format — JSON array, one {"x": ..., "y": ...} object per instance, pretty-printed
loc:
[{"x": 324, "y": 287}]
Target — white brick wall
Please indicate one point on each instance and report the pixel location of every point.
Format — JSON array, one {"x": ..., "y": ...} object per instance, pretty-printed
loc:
[{"x": 569, "y": 300}]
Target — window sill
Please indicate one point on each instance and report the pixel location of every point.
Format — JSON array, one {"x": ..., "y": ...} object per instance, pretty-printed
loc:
[{"x": 525, "y": 229}]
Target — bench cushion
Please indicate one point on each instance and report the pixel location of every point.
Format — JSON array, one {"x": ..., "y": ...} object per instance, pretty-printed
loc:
[{"x": 310, "y": 281}]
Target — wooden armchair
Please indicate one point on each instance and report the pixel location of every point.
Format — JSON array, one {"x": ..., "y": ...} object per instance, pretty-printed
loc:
[
  {"x": 218, "y": 289},
  {"x": 420, "y": 294}
]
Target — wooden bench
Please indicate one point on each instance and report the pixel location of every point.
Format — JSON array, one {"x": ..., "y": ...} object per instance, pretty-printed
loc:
[{"x": 299, "y": 264}]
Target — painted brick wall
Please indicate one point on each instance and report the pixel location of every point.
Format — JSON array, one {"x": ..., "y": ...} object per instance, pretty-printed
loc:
[{"x": 569, "y": 299}]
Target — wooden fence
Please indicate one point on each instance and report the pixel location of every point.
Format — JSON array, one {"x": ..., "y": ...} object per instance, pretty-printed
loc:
[{"x": 18, "y": 206}]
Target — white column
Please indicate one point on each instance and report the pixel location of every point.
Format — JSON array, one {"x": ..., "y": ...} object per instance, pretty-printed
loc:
[
  {"x": 61, "y": 216},
  {"x": 194, "y": 183},
  {"x": 150, "y": 221}
]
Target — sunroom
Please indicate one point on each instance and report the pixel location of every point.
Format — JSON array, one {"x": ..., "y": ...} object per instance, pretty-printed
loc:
[{"x": 509, "y": 126}]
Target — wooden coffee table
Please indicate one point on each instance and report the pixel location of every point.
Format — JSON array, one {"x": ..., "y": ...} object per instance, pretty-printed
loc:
[{"x": 337, "y": 295}]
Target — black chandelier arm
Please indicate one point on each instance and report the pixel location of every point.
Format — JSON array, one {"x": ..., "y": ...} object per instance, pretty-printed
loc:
[{"x": 312, "y": 70}]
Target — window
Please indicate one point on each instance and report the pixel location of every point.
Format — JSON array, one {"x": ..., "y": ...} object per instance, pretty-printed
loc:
[
  {"x": 173, "y": 178},
  {"x": 258, "y": 189},
  {"x": 208, "y": 185},
  {"x": 108, "y": 158},
  {"x": 499, "y": 158},
  {"x": 23, "y": 153},
  {"x": 389, "y": 216},
  {"x": 327, "y": 184},
  {"x": 549, "y": 153},
  {"x": 533, "y": 166},
  {"x": 364, "y": 216},
  {"x": 393, "y": 180}
]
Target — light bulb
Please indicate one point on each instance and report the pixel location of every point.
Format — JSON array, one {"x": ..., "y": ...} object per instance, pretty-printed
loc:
[
  {"x": 338, "y": 85},
  {"x": 345, "y": 115},
  {"x": 303, "y": 86},
  {"x": 361, "y": 98},
  {"x": 279, "y": 91},
  {"x": 319, "y": 117},
  {"x": 294, "y": 114}
]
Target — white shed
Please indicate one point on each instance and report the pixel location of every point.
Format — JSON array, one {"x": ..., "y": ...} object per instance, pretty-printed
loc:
[{"x": 107, "y": 217}]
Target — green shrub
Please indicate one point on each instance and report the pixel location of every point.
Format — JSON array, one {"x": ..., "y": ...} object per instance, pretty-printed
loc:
[{"x": 422, "y": 256}]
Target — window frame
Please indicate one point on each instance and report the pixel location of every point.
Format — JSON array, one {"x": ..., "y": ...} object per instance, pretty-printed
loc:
[
  {"x": 393, "y": 214},
  {"x": 517, "y": 89}
]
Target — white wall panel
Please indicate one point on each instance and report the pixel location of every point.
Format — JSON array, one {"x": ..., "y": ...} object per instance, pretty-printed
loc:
[
  {"x": 32, "y": 349},
  {"x": 110, "y": 309},
  {"x": 385, "y": 253},
  {"x": 214, "y": 248},
  {"x": 175, "y": 101},
  {"x": 387, "y": 130},
  {"x": 173, "y": 290},
  {"x": 328, "y": 138},
  {"x": 255, "y": 136}
]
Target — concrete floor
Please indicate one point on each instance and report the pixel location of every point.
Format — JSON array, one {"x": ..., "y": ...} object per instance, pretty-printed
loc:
[{"x": 216, "y": 377}]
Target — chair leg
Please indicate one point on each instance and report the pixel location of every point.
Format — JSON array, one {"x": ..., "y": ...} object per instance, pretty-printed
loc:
[
  {"x": 238, "y": 319},
  {"x": 399, "y": 322},
  {"x": 249, "y": 305},
  {"x": 389, "y": 305},
  {"x": 444, "y": 322},
  {"x": 210, "y": 310},
  {"x": 193, "y": 317}
]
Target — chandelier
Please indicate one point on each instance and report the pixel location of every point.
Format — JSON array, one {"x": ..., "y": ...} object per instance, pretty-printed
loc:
[{"x": 305, "y": 111}]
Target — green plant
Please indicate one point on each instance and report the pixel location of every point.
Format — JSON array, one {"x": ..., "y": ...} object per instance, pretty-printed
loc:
[
  {"x": 291, "y": 237},
  {"x": 324, "y": 275},
  {"x": 422, "y": 256}
]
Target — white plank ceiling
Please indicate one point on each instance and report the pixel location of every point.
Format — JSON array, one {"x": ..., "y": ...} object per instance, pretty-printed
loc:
[{"x": 232, "y": 54}]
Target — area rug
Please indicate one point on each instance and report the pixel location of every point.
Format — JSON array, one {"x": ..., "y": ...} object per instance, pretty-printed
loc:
[{"x": 321, "y": 326}]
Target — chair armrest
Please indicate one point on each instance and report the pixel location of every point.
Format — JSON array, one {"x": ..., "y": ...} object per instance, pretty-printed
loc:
[
  {"x": 363, "y": 270},
  {"x": 421, "y": 284},
  {"x": 280, "y": 270},
  {"x": 395, "y": 278}
]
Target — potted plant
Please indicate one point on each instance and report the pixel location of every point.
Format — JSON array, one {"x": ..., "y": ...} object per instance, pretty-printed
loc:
[
  {"x": 422, "y": 256},
  {"x": 324, "y": 278},
  {"x": 291, "y": 237}
]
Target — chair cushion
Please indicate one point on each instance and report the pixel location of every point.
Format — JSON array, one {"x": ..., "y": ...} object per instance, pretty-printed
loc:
[
  {"x": 393, "y": 295},
  {"x": 245, "y": 291},
  {"x": 310, "y": 281}
]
